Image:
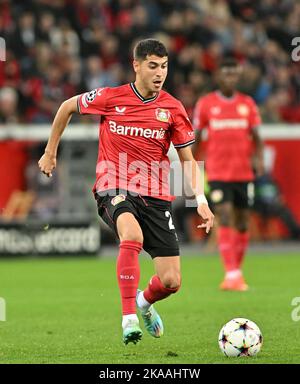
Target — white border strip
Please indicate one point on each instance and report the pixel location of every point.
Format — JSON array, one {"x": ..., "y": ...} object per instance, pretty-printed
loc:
[
  {"x": 78, "y": 132},
  {"x": 279, "y": 132}
]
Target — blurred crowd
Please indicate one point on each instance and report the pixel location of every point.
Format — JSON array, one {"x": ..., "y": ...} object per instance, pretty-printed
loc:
[{"x": 58, "y": 48}]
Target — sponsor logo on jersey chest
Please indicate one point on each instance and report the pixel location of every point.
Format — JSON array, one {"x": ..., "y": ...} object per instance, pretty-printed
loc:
[
  {"x": 218, "y": 124},
  {"x": 128, "y": 130}
]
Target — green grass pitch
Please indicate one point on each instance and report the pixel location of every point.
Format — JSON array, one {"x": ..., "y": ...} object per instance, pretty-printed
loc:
[{"x": 68, "y": 311}]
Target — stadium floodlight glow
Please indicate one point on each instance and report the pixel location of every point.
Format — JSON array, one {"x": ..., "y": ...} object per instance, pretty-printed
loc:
[{"x": 2, "y": 49}]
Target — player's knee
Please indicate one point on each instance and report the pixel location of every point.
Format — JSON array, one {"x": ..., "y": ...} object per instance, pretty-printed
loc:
[
  {"x": 131, "y": 235},
  {"x": 224, "y": 214},
  {"x": 225, "y": 220},
  {"x": 241, "y": 224},
  {"x": 171, "y": 280}
]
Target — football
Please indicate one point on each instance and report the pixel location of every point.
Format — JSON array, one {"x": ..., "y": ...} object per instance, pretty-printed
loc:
[{"x": 240, "y": 337}]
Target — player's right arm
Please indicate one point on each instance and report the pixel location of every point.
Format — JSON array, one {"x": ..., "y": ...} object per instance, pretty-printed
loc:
[
  {"x": 92, "y": 103},
  {"x": 47, "y": 162}
]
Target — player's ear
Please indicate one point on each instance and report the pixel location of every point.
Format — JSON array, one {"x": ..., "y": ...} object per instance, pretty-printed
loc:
[{"x": 136, "y": 65}]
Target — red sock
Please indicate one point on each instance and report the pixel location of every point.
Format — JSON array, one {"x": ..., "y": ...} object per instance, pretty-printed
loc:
[
  {"x": 226, "y": 248},
  {"x": 128, "y": 274},
  {"x": 241, "y": 245},
  {"x": 157, "y": 291}
]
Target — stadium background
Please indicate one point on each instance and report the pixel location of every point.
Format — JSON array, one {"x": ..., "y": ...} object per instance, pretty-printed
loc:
[{"x": 58, "y": 48}]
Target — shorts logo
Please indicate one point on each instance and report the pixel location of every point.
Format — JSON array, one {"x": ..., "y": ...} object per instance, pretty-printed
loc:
[
  {"x": 217, "y": 196},
  {"x": 162, "y": 115},
  {"x": 118, "y": 199},
  {"x": 243, "y": 109},
  {"x": 250, "y": 193}
]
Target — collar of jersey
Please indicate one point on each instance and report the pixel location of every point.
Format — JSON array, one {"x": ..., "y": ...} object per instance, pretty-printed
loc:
[
  {"x": 225, "y": 98},
  {"x": 144, "y": 100}
]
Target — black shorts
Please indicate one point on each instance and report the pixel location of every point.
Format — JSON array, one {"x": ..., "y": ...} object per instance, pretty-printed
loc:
[
  {"x": 154, "y": 216},
  {"x": 241, "y": 194}
]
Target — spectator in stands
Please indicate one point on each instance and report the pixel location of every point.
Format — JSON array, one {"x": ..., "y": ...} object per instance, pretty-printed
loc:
[
  {"x": 42, "y": 34},
  {"x": 8, "y": 105}
]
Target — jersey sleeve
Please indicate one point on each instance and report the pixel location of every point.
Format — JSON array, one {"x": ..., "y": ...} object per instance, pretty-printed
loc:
[
  {"x": 200, "y": 120},
  {"x": 254, "y": 115},
  {"x": 93, "y": 102},
  {"x": 182, "y": 130}
]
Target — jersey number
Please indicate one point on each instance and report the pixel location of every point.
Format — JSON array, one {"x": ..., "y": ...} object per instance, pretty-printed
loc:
[{"x": 171, "y": 225}]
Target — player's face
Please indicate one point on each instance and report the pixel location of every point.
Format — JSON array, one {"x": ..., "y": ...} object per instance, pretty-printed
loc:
[
  {"x": 228, "y": 78},
  {"x": 152, "y": 72}
]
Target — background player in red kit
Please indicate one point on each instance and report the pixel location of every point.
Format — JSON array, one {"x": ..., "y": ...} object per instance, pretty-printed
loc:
[
  {"x": 231, "y": 119},
  {"x": 138, "y": 123}
]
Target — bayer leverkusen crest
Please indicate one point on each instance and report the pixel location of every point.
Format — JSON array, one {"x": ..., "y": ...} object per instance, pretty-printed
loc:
[
  {"x": 162, "y": 115},
  {"x": 243, "y": 109}
]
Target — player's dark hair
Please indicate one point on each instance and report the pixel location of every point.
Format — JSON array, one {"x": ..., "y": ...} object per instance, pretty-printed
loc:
[
  {"x": 149, "y": 47},
  {"x": 228, "y": 62}
]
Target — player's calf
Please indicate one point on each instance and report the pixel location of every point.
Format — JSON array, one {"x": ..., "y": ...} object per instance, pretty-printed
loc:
[{"x": 156, "y": 290}]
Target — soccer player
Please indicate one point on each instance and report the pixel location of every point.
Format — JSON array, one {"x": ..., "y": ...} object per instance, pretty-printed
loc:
[
  {"x": 232, "y": 121},
  {"x": 138, "y": 122}
]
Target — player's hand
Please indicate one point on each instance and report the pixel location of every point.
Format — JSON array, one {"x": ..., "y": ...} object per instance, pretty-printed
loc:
[
  {"x": 207, "y": 216},
  {"x": 258, "y": 165},
  {"x": 259, "y": 168},
  {"x": 47, "y": 164}
]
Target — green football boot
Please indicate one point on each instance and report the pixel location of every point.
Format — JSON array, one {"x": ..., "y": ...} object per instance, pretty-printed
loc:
[
  {"x": 132, "y": 332},
  {"x": 152, "y": 320}
]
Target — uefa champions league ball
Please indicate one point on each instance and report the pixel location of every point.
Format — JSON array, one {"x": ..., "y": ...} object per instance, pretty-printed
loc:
[{"x": 240, "y": 337}]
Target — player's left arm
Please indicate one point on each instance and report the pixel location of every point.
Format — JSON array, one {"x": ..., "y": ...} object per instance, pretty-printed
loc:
[
  {"x": 200, "y": 121},
  {"x": 254, "y": 124},
  {"x": 192, "y": 175},
  {"x": 258, "y": 153}
]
